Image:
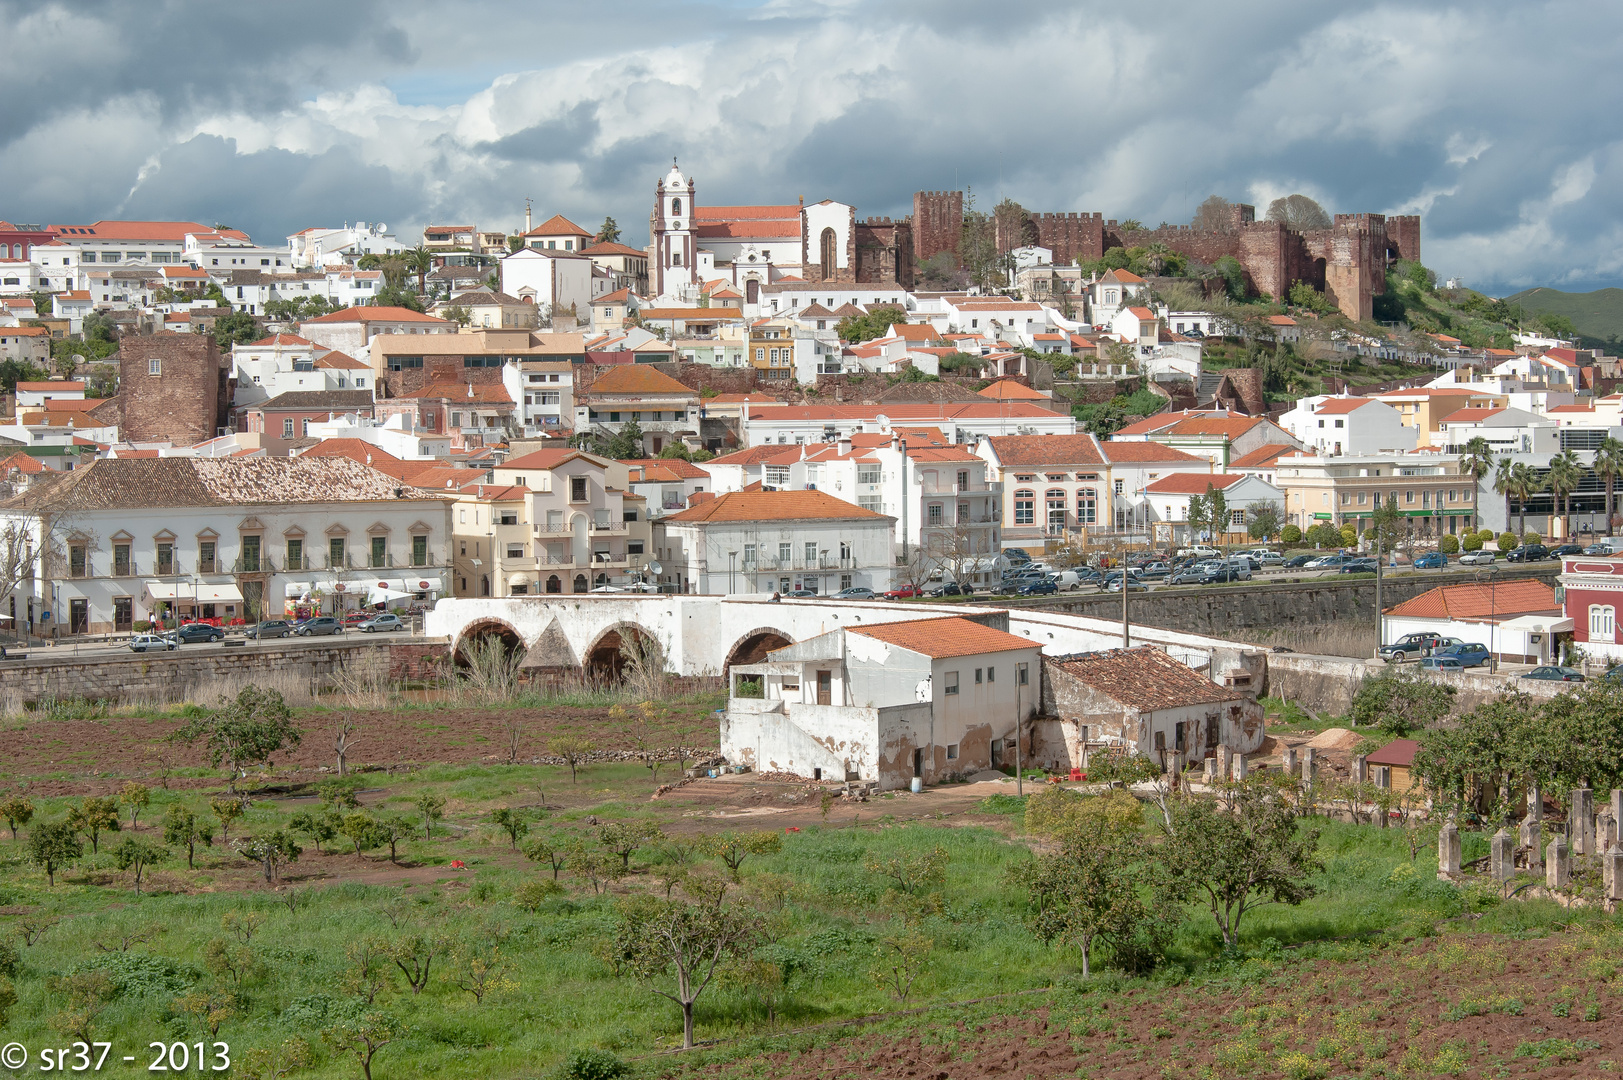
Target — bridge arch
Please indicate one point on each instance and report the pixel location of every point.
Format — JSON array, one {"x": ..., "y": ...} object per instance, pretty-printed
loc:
[
  {"x": 481, "y": 629},
  {"x": 604, "y": 660},
  {"x": 753, "y": 646}
]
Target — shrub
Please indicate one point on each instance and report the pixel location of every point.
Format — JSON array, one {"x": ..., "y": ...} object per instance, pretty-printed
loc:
[
  {"x": 1531, "y": 537},
  {"x": 1473, "y": 542},
  {"x": 1449, "y": 545},
  {"x": 532, "y": 894},
  {"x": 1349, "y": 536},
  {"x": 1290, "y": 534},
  {"x": 141, "y": 626},
  {"x": 1507, "y": 541},
  {"x": 592, "y": 1065}
]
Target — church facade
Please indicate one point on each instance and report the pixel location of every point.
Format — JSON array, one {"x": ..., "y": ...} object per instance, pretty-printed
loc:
[{"x": 747, "y": 247}]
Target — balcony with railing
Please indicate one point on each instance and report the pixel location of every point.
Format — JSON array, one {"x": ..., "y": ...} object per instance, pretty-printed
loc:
[{"x": 250, "y": 564}]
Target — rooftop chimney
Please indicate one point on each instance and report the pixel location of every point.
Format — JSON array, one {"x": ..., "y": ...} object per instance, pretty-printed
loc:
[{"x": 844, "y": 445}]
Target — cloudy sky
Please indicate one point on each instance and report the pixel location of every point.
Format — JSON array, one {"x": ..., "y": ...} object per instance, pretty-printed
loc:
[{"x": 1499, "y": 122}]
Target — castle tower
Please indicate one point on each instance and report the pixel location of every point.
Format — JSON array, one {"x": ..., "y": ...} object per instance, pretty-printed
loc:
[{"x": 671, "y": 227}]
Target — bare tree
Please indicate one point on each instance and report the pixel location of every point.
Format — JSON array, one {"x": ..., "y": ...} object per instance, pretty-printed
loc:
[
  {"x": 1216, "y": 214},
  {"x": 343, "y": 728},
  {"x": 1298, "y": 212}
]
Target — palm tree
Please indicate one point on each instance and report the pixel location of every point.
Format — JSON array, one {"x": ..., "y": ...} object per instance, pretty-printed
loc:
[
  {"x": 1477, "y": 460},
  {"x": 1562, "y": 480},
  {"x": 1609, "y": 466},
  {"x": 1504, "y": 480},
  {"x": 1515, "y": 480},
  {"x": 421, "y": 261}
]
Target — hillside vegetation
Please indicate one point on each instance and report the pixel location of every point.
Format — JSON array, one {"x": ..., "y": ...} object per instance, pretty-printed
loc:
[{"x": 1596, "y": 316}]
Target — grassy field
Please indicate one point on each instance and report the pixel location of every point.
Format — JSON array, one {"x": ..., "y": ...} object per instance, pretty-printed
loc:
[{"x": 282, "y": 962}]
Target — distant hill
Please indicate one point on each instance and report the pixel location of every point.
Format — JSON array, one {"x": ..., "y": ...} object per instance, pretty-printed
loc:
[{"x": 1597, "y": 316}]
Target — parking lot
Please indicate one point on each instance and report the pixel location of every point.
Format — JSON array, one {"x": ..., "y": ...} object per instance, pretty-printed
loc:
[{"x": 113, "y": 646}]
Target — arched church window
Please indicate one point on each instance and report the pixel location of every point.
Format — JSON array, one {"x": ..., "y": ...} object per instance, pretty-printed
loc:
[
  {"x": 676, "y": 206},
  {"x": 827, "y": 244}
]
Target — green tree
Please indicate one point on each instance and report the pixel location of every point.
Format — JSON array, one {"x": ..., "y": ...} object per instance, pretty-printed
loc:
[
  {"x": 1477, "y": 459},
  {"x": 1199, "y": 515},
  {"x": 1262, "y": 519},
  {"x": 135, "y": 796},
  {"x": 136, "y": 854},
  {"x": 876, "y": 322},
  {"x": 676, "y": 947},
  {"x": 419, "y": 260},
  {"x": 362, "y": 831},
  {"x": 432, "y": 808},
  {"x": 1233, "y": 274},
  {"x": 1388, "y": 523},
  {"x": 1217, "y": 512},
  {"x": 14, "y": 371},
  {"x": 1515, "y": 480},
  {"x": 271, "y": 851},
  {"x": 395, "y": 296},
  {"x": 93, "y": 816},
  {"x": 732, "y": 847},
  {"x": 362, "y": 1037},
  {"x": 1215, "y": 214},
  {"x": 237, "y": 328},
  {"x": 1608, "y": 465},
  {"x": 1306, "y": 296},
  {"x": 1237, "y": 861},
  {"x": 1399, "y": 701},
  {"x": 17, "y": 810},
  {"x": 1563, "y": 478},
  {"x": 978, "y": 250},
  {"x": 1290, "y": 534},
  {"x": 392, "y": 829},
  {"x": 458, "y": 314},
  {"x": 1508, "y": 541},
  {"x": 319, "y": 825},
  {"x": 227, "y": 809},
  {"x": 513, "y": 821},
  {"x": 52, "y": 845},
  {"x": 608, "y": 232},
  {"x": 243, "y": 731},
  {"x": 624, "y": 838},
  {"x": 185, "y": 829}
]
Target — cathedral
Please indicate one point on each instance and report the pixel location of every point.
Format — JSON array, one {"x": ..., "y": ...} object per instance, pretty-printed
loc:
[{"x": 746, "y": 247}]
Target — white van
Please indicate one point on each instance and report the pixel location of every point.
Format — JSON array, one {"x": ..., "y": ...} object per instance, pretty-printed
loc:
[{"x": 1199, "y": 551}]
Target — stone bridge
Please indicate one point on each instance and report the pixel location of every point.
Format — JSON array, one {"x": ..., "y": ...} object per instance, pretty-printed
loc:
[{"x": 705, "y": 635}]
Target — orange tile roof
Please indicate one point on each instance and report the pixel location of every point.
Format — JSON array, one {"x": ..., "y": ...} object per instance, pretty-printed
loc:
[
  {"x": 1009, "y": 390},
  {"x": 1481, "y": 603},
  {"x": 1261, "y": 457},
  {"x": 1143, "y": 451},
  {"x": 1281, "y": 320},
  {"x": 745, "y": 213},
  {"x": 1341, "y": 406},
  {"x": 942, "y": 639},
  {"x": 741, "y": 230},
  {"x": 907, "y": 412},
  {"x": 752, "y": 455},
  {"x": 1124, "y": 277},
  {"x": 558, "y": 225},
  {"x": 22, "y": 463},
  {"x": 619, "y": 297},
  {"x": 1042, "y": 451},
  {"x": 42, "y": 387},
  {"x": 550, "y": 458},
  {"x": 1193, "y": 483},
  {"x": 278, "y": 339},
  {"x": 774, "y": 506},
  {"x": 676, "y": 467},
  {"x": 168, "y": 231},
  {"x": 638, "y": 379},
  {"x": 1143, "y": 313},
  {"x": 1145, "y": 678},
  {"x": 1398, "y": 752},
  {"x": 612, "y": 248},
  {"x": 913, "y": 331},
  {"x": 336, "y": 359},
  {"x": 375, "y": 314}
]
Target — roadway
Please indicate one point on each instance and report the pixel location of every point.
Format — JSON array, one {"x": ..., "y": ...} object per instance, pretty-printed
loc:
[{"x": 110, "y": 648}]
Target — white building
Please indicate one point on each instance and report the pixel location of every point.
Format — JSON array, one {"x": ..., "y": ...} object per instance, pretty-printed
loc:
[
  {"x": 556, "y": 282},
  {"x": 1508, "y": 431},
  {"x": 1348, "y": 425},
  {"x": 931, "y": 699},
  {"x": 1166, "y": 501},
  {"x": 775, "y": 541},
  {"x": 958, "y": 422},
  {"x": 122, "y": 541},
  {"x": 351, "y": 331},
  {"x": 319, "y": 248}
]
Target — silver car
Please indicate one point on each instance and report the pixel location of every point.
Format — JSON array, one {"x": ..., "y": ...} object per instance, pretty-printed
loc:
[
  {"x": 1477, "y": 558},
  {"x": 145, "y": 642}
]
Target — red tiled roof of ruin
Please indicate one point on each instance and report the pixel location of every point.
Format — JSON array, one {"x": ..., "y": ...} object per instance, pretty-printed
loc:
[
  {"x": 942, "y": 639},
  {"x": 1145, "y": 678},
  {"x": 638, "y": 379}
]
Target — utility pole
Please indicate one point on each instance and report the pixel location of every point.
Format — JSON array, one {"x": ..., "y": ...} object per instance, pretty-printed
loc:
[
  {"x": 1380, "y": 618},
  {"x": 1019, "y": 770}
]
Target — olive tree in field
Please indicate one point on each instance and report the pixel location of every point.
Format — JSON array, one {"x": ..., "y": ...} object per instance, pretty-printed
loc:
[
  {"x": 53, "y": 845},
  {"x": 573, "y": 749},
  {"x": 271, "y": 851},
  {"x": 676, "y": 947},
  {"x": 363, "y": 1037},
  {"x": 94, "y": 816},
  {"x": 135, "y": 798},
  {"x": 16, "y": 810},
  {"x": 1234, "y": 862},
  {"x": 243, "y": 731},
  {"x": 432, "y": 807},
  {"x": 137, "y": 854}
]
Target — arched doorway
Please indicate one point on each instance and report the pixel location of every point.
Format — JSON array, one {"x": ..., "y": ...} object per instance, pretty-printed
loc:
[
  {"x": 605, "y": 660},
  {"x": 554, "y": 585},
  {"x": 752, "y": 291},
  {"x": 753, "y": 646},
  {"x": 826, "y": 246}
]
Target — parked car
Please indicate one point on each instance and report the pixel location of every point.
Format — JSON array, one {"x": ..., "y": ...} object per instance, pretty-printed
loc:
[
  {"x": 1073, "y": 579},
  {"x": 1471, "y": 654},
  {"x": 1328, "y": 562},
  {"x": 1597, "y": 549},
  {"x": 1192, "y": 576},
  {"x": 1442, "y": 663},
  {"x": 1133, "y": 585},
  {"x": 382, "y": 622},
  {"x": 1529, "y": 553},
  {"x": 144, "y": 642},
  {"x": 801, "y": 594},
  {"x": 1296, "y": 562},
  {"x": 858, "y": 592},
  {"x": 1156, "y": 570},
  {"x": 356, "y": 618},
  {"x": 198, "y": 631},
  {"x": 1417, "y": 644},
  {"x": 906, "y": 592},
  {"x": 1016, "y": 555},
  {"x": 1266, "y": 559},
  {"x": 1200, "y": 551},
  {"x": 1241, "y": 567},
  {"x": 269, "y": 628},
  {"x": 1553, "y": 673},
  {"x": 1566, "y": 549},
  {"x": 954, "y": 588},
  {"x": 1431, "y": 560},
  {"x": 320, "y": 626},
  {"x": 1038, "y": 588},
  {"x": 1358, "y": 566},
  {"x": 1477, "y": 558}
]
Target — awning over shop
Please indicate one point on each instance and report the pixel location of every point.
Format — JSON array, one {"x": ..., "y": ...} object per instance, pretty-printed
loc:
[
  {"x": 219, "y": 594},
  {"x": 296, "y": 589},
  {"x": 187, "y": 592},
  {"x": 170, "y": 590},
  {"x": 424, "y": 584}
]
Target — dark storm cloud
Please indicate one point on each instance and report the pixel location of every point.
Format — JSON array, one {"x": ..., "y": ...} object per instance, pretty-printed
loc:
[{"x": 1497, "y": 121}]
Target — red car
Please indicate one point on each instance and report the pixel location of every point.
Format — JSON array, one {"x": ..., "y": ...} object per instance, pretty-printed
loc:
[
  {"x": 355, "y": 618},
  {"x": 904, "y": 593}
]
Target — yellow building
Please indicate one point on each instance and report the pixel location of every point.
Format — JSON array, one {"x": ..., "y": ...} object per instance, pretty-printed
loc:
[{"x": 1426, "y": 407}]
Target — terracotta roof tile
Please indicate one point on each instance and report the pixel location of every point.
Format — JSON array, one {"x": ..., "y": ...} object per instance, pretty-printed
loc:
[
  {"x": 115, "y": 484},
  {"x": 1042, "y": 451},
  {"x": 1145, "y": 678},
  {"x": 638, "y": 379},
  {"x": 1144, "y": 451},
  {"x": 1397, "y": 752},
  {"x": 558, "y": 225},
  {"x": 1480, "y": 603},
  {"x": 943, "y": 639},
  {"x": 1261, "y": 457},
  {"x": 1188, "y": 483},
  {"x": 374, "y": 314},
  {"x": 675, "y": 467},
  {"x": 1341, "y": 406},
  {"x": 774, "y": 506},
  {"x": 1009, "y": 390}
]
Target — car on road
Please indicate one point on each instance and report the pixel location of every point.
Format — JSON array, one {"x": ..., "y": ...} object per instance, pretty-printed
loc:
[
  {"x": 1265, "y": 559},
  {"x": 1133, "y": 585},
  {"x": 277, "y": 628},
  {"x": 320, "y": 626},
  {"x": 1074, "y": 579},
  {"x": 1431, "y": 560},
  {"x": 1039, "y": 588},
  {"x": 906, "y": 592},
  {"x": 1328, "y": 562},
  {"x": 1417, "y": 644},
  {"x": 1358, "y": 566},
  {"x": 1529, "y": 553},
  {"x": 198, "y": 631},
  {"x": 356, "y": 618},
  {"x": 801, "y": 594},
  {"x": 859, "y": 592},
  {"x": 1597, "y": 549},
  {"x": 146, "y": 642},
  {"x": 953, "y": 588},
  {"x": 1192, "y": 576},
  {"x": 1296, "y": 562},
  {"x": 1554, "y": 673},
  {"x": 1566, "y": 549},
  {"x": 1477, "y": 558},
  {"x": 1200, "y": 551},
  {"x": 1442, "y": 663},
  {"x": 1469, "y": 654},
  {"x": 383, "y": 622}
]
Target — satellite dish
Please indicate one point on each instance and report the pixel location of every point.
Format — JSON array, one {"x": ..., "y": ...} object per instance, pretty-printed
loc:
[
  {"x": 381, "y": 229},
  {"x": 655, "y": 568}
]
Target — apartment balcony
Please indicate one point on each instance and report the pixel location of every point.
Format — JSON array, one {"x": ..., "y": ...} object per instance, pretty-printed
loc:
[
  {"x": 769, "y": 565},
  {"x": 607, "y": 527},
  {"x": 248, "y": 565},
  {"x": 982, "y": 488}
]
